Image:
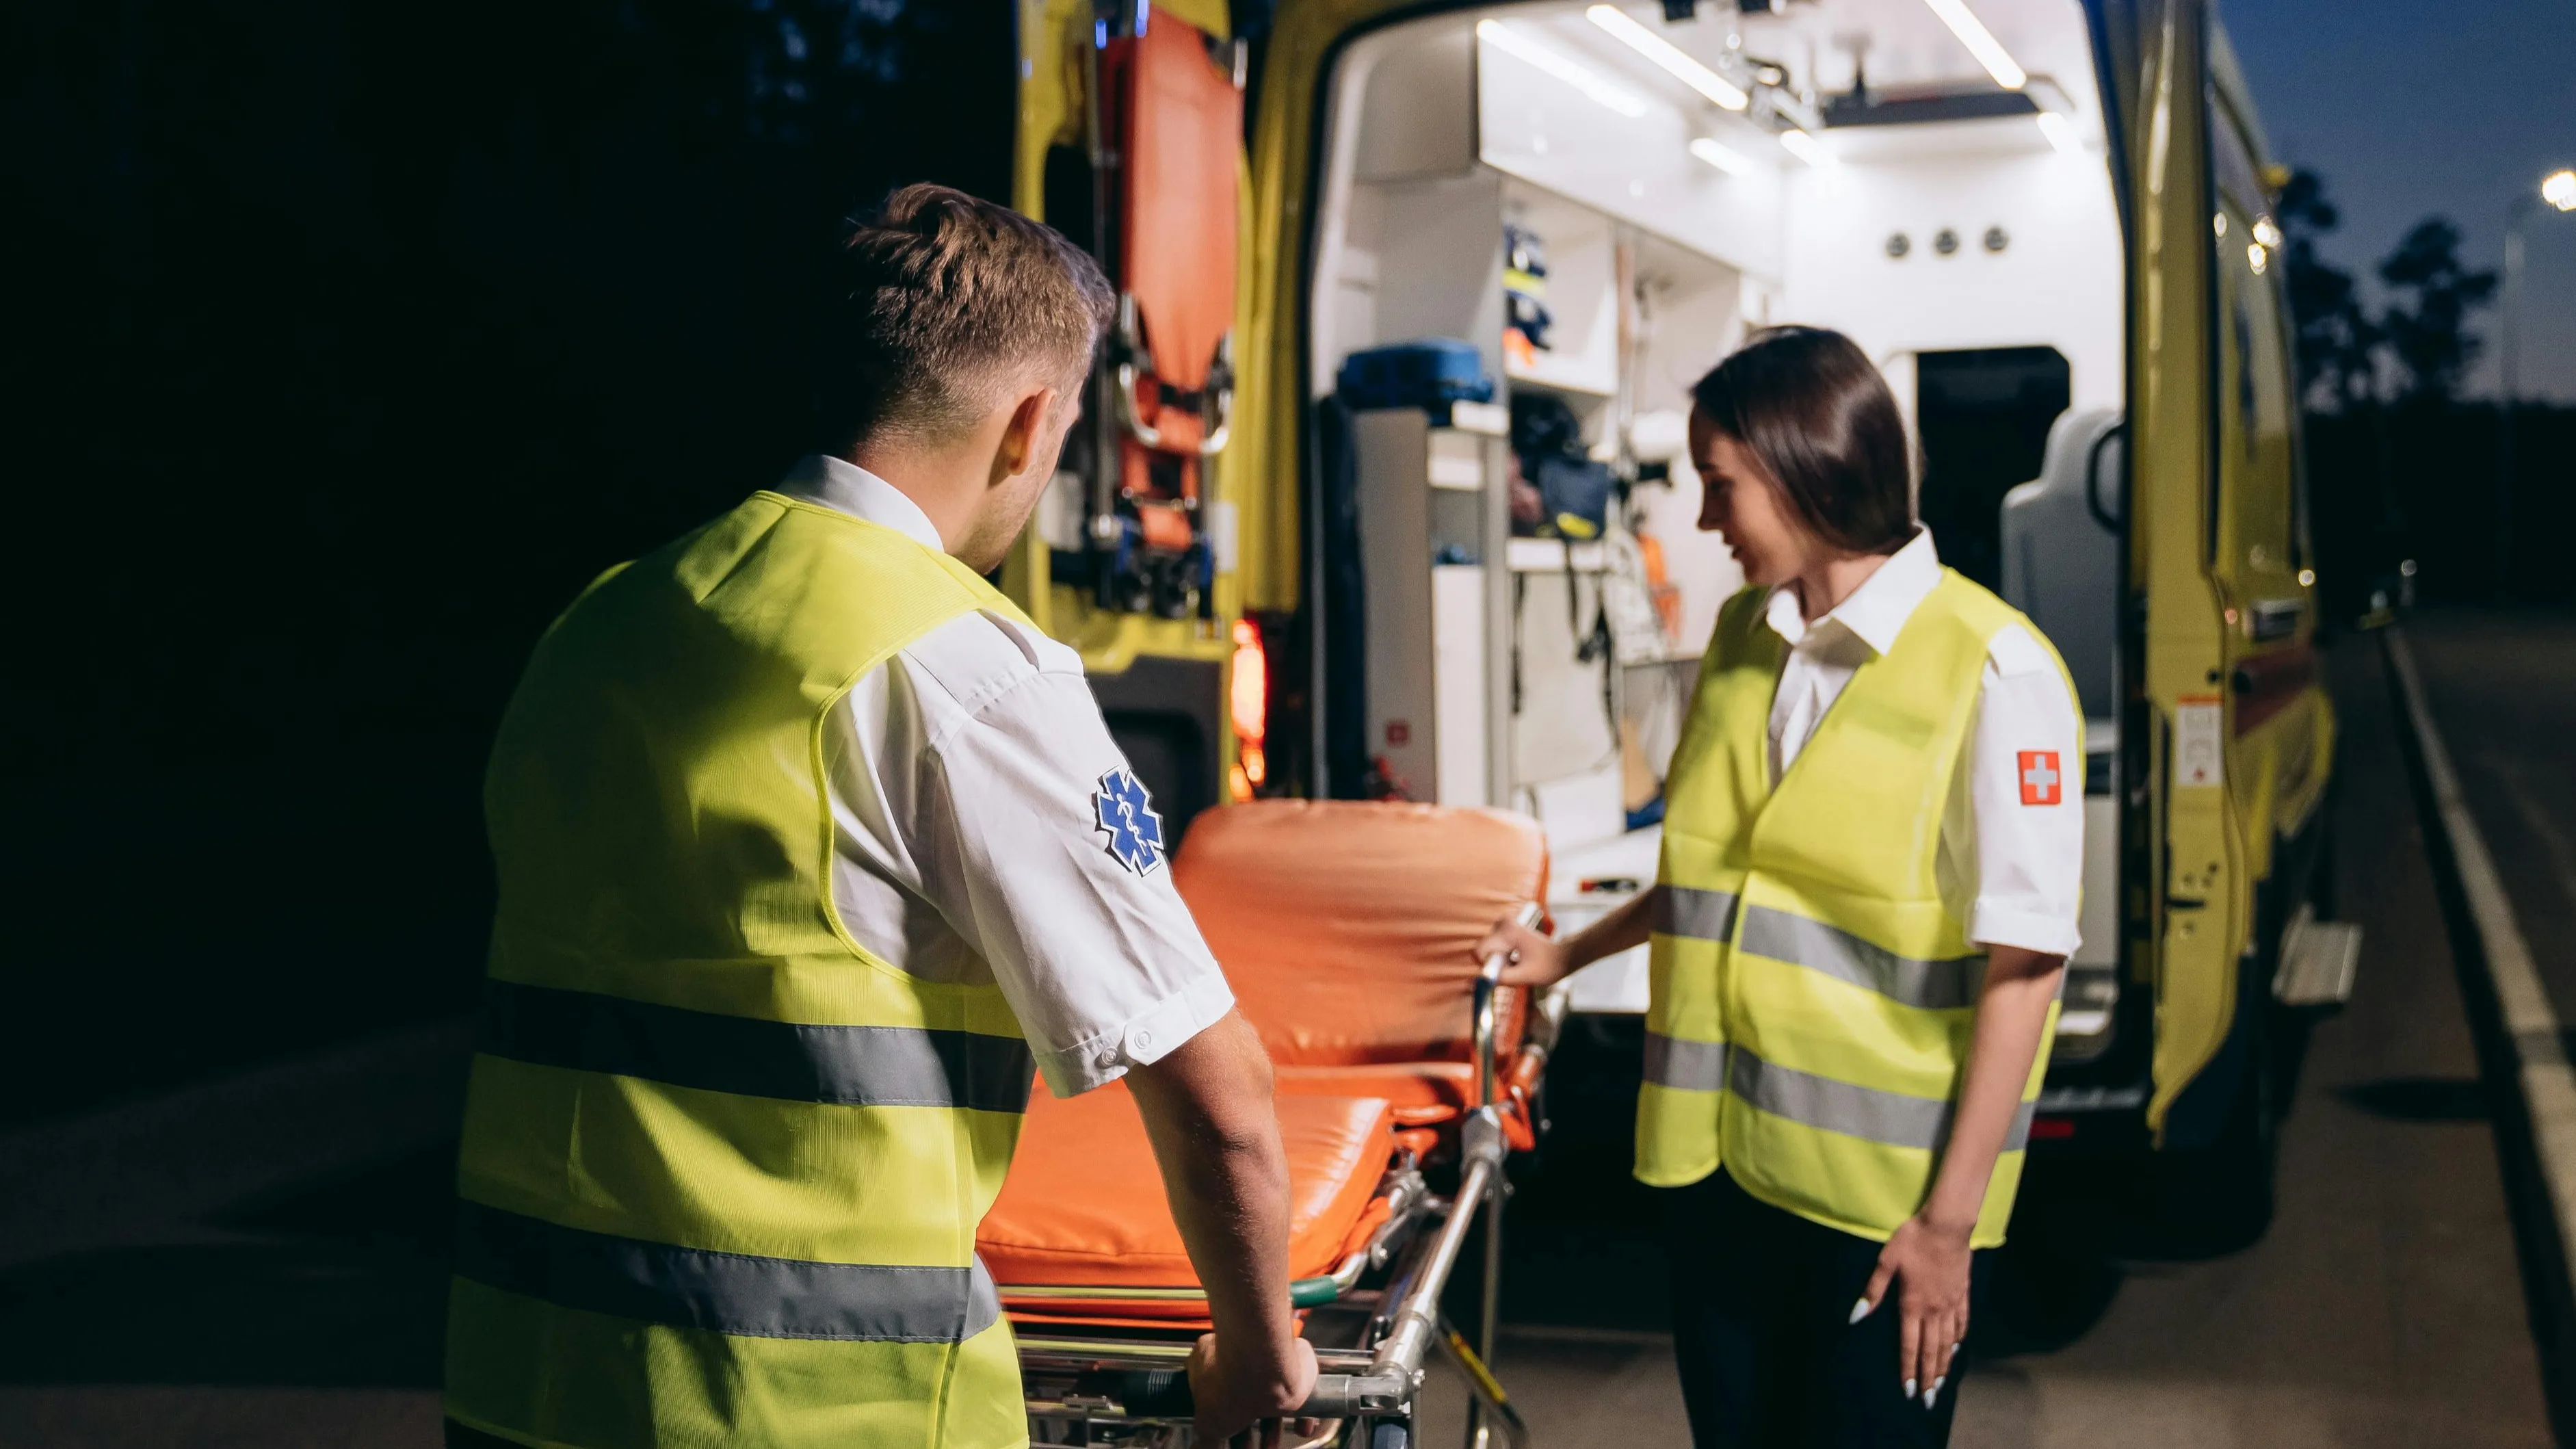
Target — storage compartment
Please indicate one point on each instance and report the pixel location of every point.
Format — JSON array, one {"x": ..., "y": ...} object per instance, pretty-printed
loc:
[{"x": 1430, "y": 516}]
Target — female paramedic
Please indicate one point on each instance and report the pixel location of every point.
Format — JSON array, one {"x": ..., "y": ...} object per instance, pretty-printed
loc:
[{"x": 1871, "y": 852}]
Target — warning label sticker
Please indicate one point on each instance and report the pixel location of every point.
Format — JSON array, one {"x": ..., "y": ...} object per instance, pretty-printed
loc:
[{"x": 2200, "y": 740}]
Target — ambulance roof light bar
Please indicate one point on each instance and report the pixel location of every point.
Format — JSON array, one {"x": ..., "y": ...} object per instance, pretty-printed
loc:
[
  {"x": 1600, "y": 89},
  {"x": 1980, "y": 42},
  {"x": 1672, "y": 58}
]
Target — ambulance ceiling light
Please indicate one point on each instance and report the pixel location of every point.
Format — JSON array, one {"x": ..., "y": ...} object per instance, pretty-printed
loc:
[
  {"x": 1669, "y": 56},
  {"x": 2056, "y": 114},
  {"x": 1732, "y": 162},
  {"x": 1600, "y": 89},
  {"x": 1980, "y": 42},
  {"x": 1806, "y": 148}
]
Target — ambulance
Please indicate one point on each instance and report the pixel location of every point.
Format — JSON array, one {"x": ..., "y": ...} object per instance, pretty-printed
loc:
[{"x": 2049, "y": 221}]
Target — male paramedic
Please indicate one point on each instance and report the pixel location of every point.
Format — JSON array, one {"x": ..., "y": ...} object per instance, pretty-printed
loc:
[{"x": 812, "y": 850}]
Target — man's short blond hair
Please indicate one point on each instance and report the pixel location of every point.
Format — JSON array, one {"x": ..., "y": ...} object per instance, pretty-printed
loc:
[{"x": 942, "y": 302}]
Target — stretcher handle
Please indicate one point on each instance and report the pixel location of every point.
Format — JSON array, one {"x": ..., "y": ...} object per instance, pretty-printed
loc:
[
  {"x": 1489, "y": 980},
  {"x": 1153, "y": 1394},
  {"x": 1165, "y": 1394}
]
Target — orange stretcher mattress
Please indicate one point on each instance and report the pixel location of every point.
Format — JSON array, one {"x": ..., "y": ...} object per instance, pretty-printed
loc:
[
  {"x": 1417, "y": 1093},
  {"x": 1348, "y": 932},
  {"x": 1084, "y": 1203}
]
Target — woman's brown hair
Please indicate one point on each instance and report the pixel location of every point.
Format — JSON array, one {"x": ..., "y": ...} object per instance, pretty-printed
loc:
[{"x": 1810, "y": 404}]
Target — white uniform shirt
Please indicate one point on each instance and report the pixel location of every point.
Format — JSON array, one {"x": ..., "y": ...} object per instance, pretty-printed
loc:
[
  {"x": 964, "y": 774},
  {"x": 2012, "y": 838}
]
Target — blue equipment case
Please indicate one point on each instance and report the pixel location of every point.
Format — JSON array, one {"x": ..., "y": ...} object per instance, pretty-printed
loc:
[{"x": 1431, "y": 373}]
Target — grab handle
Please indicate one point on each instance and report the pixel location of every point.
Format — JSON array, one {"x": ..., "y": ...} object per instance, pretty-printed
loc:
[{"x": 2093, "y": 479}]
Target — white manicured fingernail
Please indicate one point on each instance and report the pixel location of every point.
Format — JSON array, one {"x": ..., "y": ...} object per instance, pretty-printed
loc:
[
  {"x": 1909, "y": 1388},
  {"x": 1934, "y": 1392},
  {"x": 1861, "y": 1310}
]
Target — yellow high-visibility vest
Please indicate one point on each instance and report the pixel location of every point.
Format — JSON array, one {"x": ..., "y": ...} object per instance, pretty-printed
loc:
[
  {"x": 722, "y": 1165},
  {"x": 1811, "y": 996}
]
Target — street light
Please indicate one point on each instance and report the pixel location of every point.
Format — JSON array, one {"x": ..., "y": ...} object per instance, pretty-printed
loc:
[{"x": 2558, "y": 189}]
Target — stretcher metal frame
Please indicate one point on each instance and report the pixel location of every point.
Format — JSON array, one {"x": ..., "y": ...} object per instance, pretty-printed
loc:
[{"x": 1100, "y": 1388}]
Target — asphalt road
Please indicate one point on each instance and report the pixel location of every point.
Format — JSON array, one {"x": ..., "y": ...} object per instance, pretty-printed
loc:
[
  {"x": 298, "y": 1307},
  {"x": 2502, "y": 688}
]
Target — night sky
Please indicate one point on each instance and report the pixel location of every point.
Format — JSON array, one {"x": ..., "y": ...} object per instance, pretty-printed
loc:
[{"x": 2410, "y": 108}]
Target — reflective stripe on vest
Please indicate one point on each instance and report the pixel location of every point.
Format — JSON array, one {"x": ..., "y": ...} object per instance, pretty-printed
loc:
[
  {"x": 1804, "y": 1097},
  {"x": 1935, "y": 985},
  {"x": 722, "y": 1166},
  {"x": 1812, "y": 997},
  {"x": 1701, "y": 914},
  {"x": 732, "y": 1293},
  {"x": 857, "y": 1066}
]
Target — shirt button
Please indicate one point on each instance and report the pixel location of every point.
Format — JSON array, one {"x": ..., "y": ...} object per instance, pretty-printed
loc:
[{"x": 1139, "y": 1041}]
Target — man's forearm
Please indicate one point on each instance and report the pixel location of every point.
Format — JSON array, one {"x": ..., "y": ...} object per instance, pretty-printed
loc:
[
  {"x": 2012, "y": 1012},
  {"x": 1208, "y": 1108}
]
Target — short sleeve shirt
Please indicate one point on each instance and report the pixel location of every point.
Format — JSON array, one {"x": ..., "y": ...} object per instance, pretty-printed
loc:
[
  {"x": 2011, "y": 858},
  {"x": 967, "y": 777}
]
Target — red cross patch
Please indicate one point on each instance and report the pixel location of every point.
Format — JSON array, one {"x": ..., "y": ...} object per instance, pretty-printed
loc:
[{"x": 2039, "y": 778}]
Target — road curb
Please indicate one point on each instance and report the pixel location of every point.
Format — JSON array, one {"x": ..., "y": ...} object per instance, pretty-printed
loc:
[{"x": 2526, "y": 1032}]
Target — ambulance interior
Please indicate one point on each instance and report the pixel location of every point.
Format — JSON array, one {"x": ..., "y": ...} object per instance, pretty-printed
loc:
[{"x": 1944, "y": 196}]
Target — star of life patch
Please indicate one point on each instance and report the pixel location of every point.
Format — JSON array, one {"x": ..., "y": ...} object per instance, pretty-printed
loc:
[
  {"x": 1126, "y": 815},
  {"x": 2040, "y": 780}
]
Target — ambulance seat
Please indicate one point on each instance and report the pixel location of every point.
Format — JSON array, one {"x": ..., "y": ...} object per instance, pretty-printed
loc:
[
  {"x": 1084, "y": 1202},
  {"x": 1348, "y": 931},
  {"x": 2061, "y": 566}
]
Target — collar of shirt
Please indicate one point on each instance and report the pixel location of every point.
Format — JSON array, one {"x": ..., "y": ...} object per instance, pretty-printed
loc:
[
  {"x": 859, "y": 493},
  {"x": 1875, "y": 611}
]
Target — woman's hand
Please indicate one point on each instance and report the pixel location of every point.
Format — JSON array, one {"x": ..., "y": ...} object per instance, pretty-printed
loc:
[
  {"x": 1529, "y": 959},
  {"x": 1927, "y": 1263}
]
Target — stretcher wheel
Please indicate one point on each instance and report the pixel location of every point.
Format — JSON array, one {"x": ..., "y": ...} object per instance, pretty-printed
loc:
[{"x": 1390, "y": 1436}]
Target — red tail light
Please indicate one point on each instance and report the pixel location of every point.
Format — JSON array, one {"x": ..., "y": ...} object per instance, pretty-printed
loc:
[{"x": 1248, "y": 705}]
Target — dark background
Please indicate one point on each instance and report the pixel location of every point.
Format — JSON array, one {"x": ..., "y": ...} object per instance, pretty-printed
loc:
[{"x": 344, "y": 342}]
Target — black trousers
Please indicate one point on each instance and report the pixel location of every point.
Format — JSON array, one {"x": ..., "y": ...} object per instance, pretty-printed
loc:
[{"x": 1769, "y": 1358}]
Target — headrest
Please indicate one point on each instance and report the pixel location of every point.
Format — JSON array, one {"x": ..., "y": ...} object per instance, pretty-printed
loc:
[{"x": 1348, "y": 928}]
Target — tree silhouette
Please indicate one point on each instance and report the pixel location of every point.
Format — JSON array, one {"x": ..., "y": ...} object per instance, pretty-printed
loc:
[
  {"x": 2336, "y": 337},
  {"x": 2430, "y": 337}
]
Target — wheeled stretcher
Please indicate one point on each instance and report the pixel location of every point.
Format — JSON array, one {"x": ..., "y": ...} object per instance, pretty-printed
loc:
[{"x": 1406, "y": 1076}]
